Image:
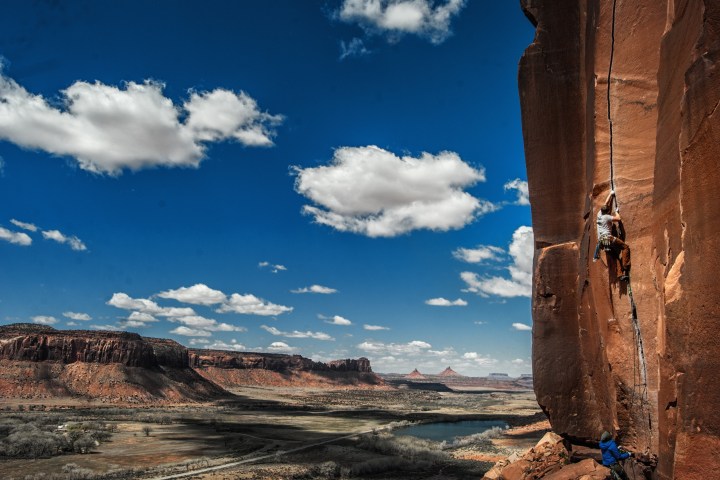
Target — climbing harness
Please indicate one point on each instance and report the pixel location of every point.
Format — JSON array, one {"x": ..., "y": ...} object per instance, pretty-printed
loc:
[{"x": 639, "y": 364}]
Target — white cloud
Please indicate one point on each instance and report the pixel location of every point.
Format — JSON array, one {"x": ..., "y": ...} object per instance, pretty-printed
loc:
[
  {"x": 338, "y": 320},
  {"x": 222, "y": 114},
  {"x": 132, "y": 324},
  {"x": 251, "y": 305},
  {"x": 521, "y": 188},
  {"x": 297, "y": 334},
  {"x": 144, "y": 305},
  {"x": 108, "y": 129},
  {"x": 72, "y": 324},
  {"x": 395, "y": 18},
  {"x": 199, "y": 341},
  {"x": 273, "y": 268},
  {"x": 479, "y": 254},
  {"x": 479, "y": 322},
  {"x": 108, "y": 328},
  {"x": 141, "y": 317},
  {"x": 26, "y": 226},
  {"x": 519, "y": 284},
  {"x": 374, "y": 327},
  {"x": 198, "y": 294},
  {"x": 77, "y": 316},
  {"x": 280, "y": 347},
  {"x": 414, "y": 347},
  {"x": 190, "y": 332},
  {"x": 521, "y": 326},
  {"x": 443, "y": 302},
  {"x": 373, "y": 192},
  {"x": 315, "y": 289},
  {"x": 44, "y": 320},
  {"x": 209, "y": 324},
  {"x": 219, "y": 345},
  {"x": 74, "y": 242},
  {"x": 18, "y": 238},
  {"x": 354, "y": 48},
  {"x": 483, "y": 360}
]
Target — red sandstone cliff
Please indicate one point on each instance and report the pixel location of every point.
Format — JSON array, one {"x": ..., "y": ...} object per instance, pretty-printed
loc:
[
  {"x": 40, "y": 361},
  {"x": 656, "y": 381}
]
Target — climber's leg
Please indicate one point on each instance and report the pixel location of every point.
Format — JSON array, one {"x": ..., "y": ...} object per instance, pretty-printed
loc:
[{"x": 624, "y": 254}]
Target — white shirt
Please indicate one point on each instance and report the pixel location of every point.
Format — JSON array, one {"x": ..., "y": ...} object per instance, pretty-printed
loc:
[{"x": 604, "y": 224}]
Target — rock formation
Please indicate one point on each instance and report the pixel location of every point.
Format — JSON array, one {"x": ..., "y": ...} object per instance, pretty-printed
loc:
[
  {"x": 654, "y": 380},
  {"x": 415, "y": 374},
  {"x": 449, "y": 372},
  {"x": 41, "y": 361}
]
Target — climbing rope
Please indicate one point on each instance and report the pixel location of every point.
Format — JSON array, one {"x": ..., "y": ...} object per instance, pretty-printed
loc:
[{"x": 639, "y": 377}]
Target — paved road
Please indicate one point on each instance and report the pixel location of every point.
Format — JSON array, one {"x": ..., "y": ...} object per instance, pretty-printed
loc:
[{"x": 261, "y": 457}]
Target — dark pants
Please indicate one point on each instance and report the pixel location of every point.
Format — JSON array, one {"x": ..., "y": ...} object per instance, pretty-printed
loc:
[
  {"x": 624, "y": 252},
  {"x": 618, "y": 471}
]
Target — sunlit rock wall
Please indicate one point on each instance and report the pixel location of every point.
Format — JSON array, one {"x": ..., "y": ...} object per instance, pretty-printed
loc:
[{"x": 659, "y": 390}]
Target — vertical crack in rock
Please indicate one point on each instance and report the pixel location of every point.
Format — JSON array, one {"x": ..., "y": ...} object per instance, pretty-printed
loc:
[{"x": 645, "y": 369}]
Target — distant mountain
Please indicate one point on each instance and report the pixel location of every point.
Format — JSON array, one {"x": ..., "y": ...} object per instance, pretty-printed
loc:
[
  {"x": 415, "y": 374},
  {"x": 40, "y": 362},
  {"x": 449, "y": 372}
]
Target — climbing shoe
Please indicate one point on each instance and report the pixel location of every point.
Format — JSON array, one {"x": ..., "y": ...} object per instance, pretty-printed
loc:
[{"x": 624, "y": 277}]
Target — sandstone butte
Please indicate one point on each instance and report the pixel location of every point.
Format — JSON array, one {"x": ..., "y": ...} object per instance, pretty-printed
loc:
[
  {"x": 590, "y": 372},
  {"x": 39, "y": 361}
]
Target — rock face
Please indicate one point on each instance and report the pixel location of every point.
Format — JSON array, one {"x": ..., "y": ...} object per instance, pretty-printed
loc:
[
  {"x": 39, "y": 361},
  {"x": 30, "y": 343},
  {"x": 654, "y": 380},
  {"x": 449, "y": 372},
  {"x": 273, "y": 361}
]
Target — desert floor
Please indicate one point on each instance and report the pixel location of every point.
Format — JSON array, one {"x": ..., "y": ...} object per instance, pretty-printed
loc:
[{"x": 281, "y": 433}]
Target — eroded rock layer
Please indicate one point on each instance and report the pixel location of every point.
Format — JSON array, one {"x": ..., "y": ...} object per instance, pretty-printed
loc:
[{"x": 636, "y": 82}]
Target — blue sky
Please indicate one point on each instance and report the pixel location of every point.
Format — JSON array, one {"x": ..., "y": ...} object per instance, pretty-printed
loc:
[{"x": 330, "y": 178}]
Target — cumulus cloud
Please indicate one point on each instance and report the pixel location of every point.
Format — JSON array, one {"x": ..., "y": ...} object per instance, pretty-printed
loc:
[
  {"x": 297, "y": 334},
  {"x": 521, "y": 188},
  {"x": 484, "y": 360},
  {"x": 25, "y": 226},
  {"x": 209, "y": 324},
  {"x": 521, "y": 327},
  {"x": 374, "y": 327},
  {"x": 337, "y": 320},
  {"x": 519, "y": 284},
  {"x": 108, "y": 328},
  {"x": 190, "y": 332},
  {"x": 315, "y": 289},
  {"x": 479, "y": 254},
  {"x": 413, "y": 347},
  {"x": 144, "y": 305},
  {"x": 77, "y": 316},
  {"x": 198, "y": 294},
  {"x": 443, "y": 302},
  {"x": 18, "y": 238},
  {"x": 198, "y": 341},
  {"x": 354, "y": 48},
  {"x": 251, "y": 305},
  {"x": 280, "y": 347},
  {"x": 74, "y": 242},
  {"x": 373, "y": 192},
  {"x": 273, "y": 268},
  {"x": 219, "y": 345},
  {"x": 395, "y": 18},
  {"x": 44, "y": 320},
  {"x": 108, "y": 129}
]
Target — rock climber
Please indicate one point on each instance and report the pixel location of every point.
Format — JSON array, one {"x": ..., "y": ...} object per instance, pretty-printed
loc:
[
  {"x": 611, "y": 456},
  {"x": 606, "y": 238}
]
